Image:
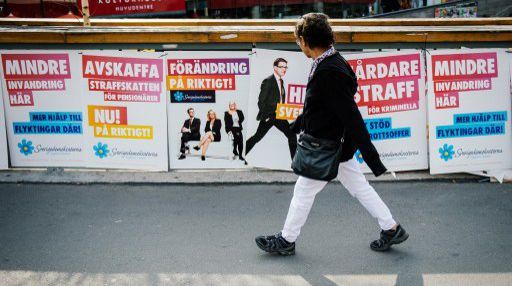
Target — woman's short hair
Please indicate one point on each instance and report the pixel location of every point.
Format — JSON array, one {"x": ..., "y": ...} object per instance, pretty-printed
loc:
[
  {"x": 208, "y": 115},
  {"x": 314, "y": 28}
]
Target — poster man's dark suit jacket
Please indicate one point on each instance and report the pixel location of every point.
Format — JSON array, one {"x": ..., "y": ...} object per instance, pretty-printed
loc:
[
  {"x": 268, "y": 99},
  {"x": 194, "y": 128}
]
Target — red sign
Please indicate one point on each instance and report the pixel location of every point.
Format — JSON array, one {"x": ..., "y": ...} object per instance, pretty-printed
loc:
[
  {"x": 122, "y": 68},
  {"x": 36, "y": 66},
  {"x": 388, "y": 84},
  {"x": 124, "y": 7},
  {"x": 456, "y": 73},
  {"x": 464, "y": 66},
  {"x": 39, "y": 9}
]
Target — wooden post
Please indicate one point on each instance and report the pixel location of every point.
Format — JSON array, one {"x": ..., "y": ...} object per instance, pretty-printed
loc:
[
  {"x": 85, "y": 13},
  {"x": 41, "y": 5}
]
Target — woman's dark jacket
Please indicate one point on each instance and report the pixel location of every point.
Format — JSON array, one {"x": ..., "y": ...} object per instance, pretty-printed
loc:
[
  {"x": 329, "y": 109},
  {"x": 217, "y": 125},
  {"x": 228, "y": 120}
]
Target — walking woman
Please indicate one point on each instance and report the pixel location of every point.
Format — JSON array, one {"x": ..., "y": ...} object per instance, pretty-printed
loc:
[
  {"x": 212, "y": 133},
  {"x": 331, "y": 113}
]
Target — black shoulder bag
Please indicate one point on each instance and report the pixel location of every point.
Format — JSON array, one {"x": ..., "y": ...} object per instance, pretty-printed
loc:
[{"x": 317, "y": 158}]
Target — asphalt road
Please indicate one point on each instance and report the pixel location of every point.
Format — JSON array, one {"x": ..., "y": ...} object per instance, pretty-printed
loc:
[{"x": 460, "y": 234}]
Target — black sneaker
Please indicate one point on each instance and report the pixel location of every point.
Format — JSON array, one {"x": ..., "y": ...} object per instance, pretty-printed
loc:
[
  {"x": 275, "y": 244},
  {"x": 182, "y": 156},
  {"x": 388, "y": 238}
]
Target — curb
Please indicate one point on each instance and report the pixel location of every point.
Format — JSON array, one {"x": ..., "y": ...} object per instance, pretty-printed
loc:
[{"x": 196, "y": 177}]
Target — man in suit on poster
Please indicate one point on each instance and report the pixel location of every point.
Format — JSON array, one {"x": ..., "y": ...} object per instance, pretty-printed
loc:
[
  {"x": 189, "y": 131},
  {"x": 272, "y": 92}
]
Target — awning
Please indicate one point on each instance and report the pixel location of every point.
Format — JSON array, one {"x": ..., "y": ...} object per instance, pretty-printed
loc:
[{"x": 231, "y": 4}]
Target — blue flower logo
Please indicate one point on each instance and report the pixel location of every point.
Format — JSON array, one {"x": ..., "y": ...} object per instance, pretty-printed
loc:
[
  {"x": 26, "y": 147},
  {"x": 101, "y": 150},
  {"x": 446, "y": 152},
  {"x": 359, "y": 157},
  {"x": 178, "y": 96}
]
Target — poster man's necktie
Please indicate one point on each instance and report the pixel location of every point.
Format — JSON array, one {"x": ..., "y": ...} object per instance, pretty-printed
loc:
[{"x": 282, "y": 91}]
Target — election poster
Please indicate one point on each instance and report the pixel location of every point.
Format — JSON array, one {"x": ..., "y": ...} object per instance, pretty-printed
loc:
[
  {"x": 4, "y": 163},
  {"x": 207, "y": 97},
  {"x": 391, "y": 99},
  {"x": 390, "y": 96},
  {"x": 125, "y": 111},
  {"x": 277, "y": 93},
  {"x": 43, "y": 105},
  {"x": 469, "y": 110}
]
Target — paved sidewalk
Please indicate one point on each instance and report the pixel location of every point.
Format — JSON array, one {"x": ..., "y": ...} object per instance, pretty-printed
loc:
[
  {"x": 203, "y": 235},
  {"x": 252, "y": 176}
]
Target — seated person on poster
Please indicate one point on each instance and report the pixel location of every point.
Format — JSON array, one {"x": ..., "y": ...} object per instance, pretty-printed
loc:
[
  {"x": 233, "y": 119},
  {"x": 189, "y": 131},
  {"x": 212, "y": 133}
]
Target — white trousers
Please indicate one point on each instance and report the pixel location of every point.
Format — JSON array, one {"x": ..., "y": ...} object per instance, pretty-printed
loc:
[{"x": 353, "y": 180}]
